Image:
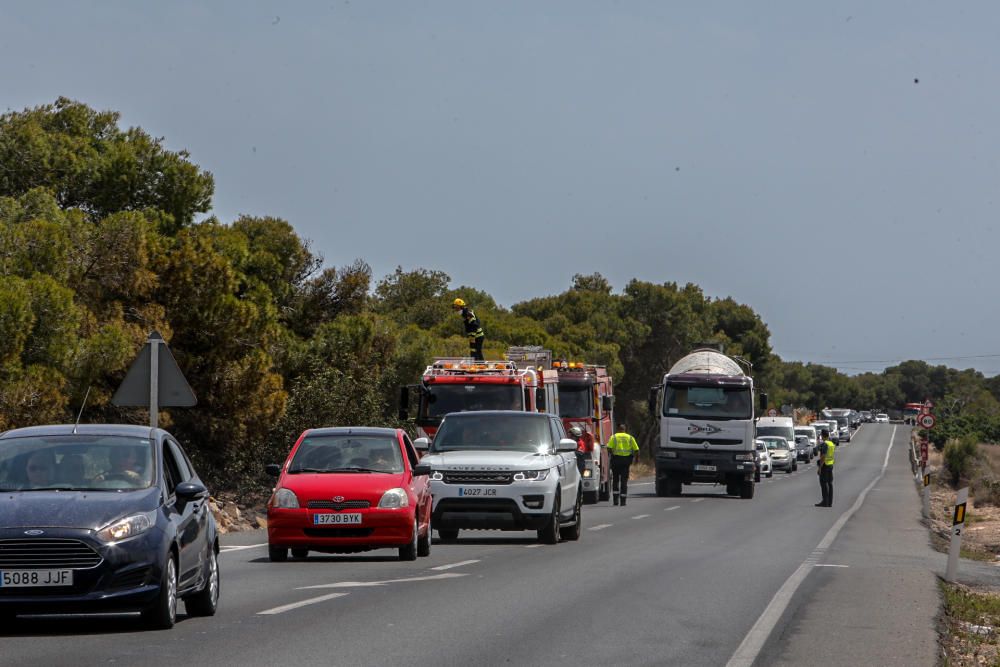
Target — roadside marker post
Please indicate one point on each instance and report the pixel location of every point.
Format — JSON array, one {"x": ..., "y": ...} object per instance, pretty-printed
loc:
[
  {"x": 927, "y": 493},
  {"x": 957, "y": 526}
]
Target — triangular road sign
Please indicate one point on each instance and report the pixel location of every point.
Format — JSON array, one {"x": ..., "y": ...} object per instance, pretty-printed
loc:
[{"x": 173, "y": 389}]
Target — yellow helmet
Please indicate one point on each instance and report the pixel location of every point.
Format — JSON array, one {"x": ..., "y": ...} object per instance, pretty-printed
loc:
[{"x": 458, "y": 303}]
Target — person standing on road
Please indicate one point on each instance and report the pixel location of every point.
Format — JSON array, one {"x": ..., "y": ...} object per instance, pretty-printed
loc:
[
  {"x": 623, "y": 449},
  {"x": 473, "y": 329},
  {"x": 825, "y": 471}
]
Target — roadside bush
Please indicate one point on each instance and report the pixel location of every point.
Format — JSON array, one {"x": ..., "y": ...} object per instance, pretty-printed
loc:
[{"x": 960, "y": 456}]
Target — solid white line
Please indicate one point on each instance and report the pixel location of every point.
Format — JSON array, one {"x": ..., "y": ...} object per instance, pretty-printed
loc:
[
  {"x": 829, "y": 565},
  {"x": 451, "y": 565},
  {"x": 227, "y": 549},
  {"x": 295, "y": 605},
  {"x": 675, "y": 507},
  {"x": 752, "y": 644},
  {"x": 601, "y": 526},
  {"x": 640, "y": 516}
]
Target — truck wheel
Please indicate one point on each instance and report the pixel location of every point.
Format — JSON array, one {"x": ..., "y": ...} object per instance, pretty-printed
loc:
[
  {"x": 661, "y": 488},
  {"x": 746, "y": 493},
  {"x": 673, "y": 487},
  {"x": 572, "y": 533},
  {"x": 448, "y": 535},
  {"x": 549, "y": 534}
]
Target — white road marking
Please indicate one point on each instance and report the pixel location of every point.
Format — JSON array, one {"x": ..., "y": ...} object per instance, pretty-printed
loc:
[
  {"x": 697, "y": 500},
  {"x": 640, "y": 516},
  {"x": 675, "y": 507},
  {"x": 367, "y": 584},
  {"x": 303, "y": 603},
  {"x": 451, "y": 565},
  {"x": 640, "y": 483},
  {"x": 829, "y": 565},
  {"x": 533, "y": 546},
  {"x": 233, "y": 547},
  {"x": 601, "y": 526},
  {"x": 751, "y": 645}
]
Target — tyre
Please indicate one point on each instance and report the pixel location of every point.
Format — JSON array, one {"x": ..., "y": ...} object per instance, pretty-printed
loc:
[
  {"x": 572, "y": 533},
  {"x": 206, "y": 601},
  {"x": 277, "y": 554},
  {"x": 746, "y": 492},
  {"x": 549, "y": 533},
  {"x": 732, "y": 489},
  {"x": 788, "y": 470},
  {"x": 424, "y": 543},
  {"x": 674, "y": 487},
  {"x": 448, "y": 535},
  {"x": 795, "y": 467},
  {"x": 770, "y": 473},
  {"x": 409, "y": 551},
  {"x": 591, "y": 497},
  {"x": 300, "y": 553},
  {"x": 161, "y": 614},
  {"x": 661, "y": 488}
]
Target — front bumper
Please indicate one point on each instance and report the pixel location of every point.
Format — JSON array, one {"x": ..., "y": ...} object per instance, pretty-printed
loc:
[
  {"x": 783, "y": 464},
  {"x": 524, "y": 505},
  {"x": 126, "y": 578},
  {"x": 379, "y": 528},
  {"x": 702, "y": 466}
]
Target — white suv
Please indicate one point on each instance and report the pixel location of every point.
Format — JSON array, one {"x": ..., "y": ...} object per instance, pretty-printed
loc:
[{"x": 504, "y": 470}]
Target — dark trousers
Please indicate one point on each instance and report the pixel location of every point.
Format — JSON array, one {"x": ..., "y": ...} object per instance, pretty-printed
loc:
[
  {"x": 476, "y": 348},
  {"x": 619, "y": 475},
  {"x": 826, "y": 484}
]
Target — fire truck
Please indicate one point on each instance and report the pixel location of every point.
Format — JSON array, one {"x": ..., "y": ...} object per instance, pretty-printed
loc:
[
  {"x": 586, "y": 399},
  {"x": 462, "y": 384}
]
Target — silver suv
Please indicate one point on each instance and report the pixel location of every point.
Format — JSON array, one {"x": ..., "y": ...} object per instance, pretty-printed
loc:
[{"x": 504, "y": 470}]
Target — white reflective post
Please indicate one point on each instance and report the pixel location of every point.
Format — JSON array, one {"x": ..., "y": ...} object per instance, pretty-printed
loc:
[
  {"x": 957, "y": 526},
  {"x": 926, "y": 479}
]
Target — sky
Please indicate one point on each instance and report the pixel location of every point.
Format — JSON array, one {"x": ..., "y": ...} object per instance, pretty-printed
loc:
[{"x": 832, "y": 165}]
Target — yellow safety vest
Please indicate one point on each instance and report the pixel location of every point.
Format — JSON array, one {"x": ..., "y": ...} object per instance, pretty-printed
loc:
[
  {"x": 828, "y": 455},
  {"x": 622, "y": 444}
]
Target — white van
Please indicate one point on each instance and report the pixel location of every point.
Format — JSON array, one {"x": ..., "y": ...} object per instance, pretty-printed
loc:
[{"x": 780, "y": 426}]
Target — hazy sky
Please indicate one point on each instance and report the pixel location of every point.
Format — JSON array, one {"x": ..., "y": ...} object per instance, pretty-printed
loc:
[{"x": 833, "y": 165}]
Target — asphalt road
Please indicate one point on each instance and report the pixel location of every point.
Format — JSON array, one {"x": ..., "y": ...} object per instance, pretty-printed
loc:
[{"x": 678, "y": 581}]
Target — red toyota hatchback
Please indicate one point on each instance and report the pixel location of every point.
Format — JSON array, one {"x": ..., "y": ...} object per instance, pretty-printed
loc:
[{"x": 349, "y": 489}]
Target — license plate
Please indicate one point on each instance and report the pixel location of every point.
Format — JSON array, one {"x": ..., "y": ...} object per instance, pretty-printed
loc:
[
  {"x": 476, "y": 491},
  {"x": 35, "y": 578},
  {"x": 351, "y": 518},
  {"x": 705, "y": 468}
]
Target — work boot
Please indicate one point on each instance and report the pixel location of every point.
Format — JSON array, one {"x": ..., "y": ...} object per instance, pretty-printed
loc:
[
  {"x": 623, "y": 501},
  {"x": 615, "y": 498},
  {"x": 820, "y": 504}
]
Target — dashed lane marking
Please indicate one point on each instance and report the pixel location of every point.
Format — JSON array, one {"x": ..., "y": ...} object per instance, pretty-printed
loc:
[
  {"x": 370, "y": 584},
  {"x": 697, "y": 500},
  {"x": 451, "y": 565},
  {"x": 640, "y": 516},
  {"x": 675, "y": 507},
  {"x": 302, "y": 603},
  {"x": 601, "y": 526},
  {"x": 829, "y": 565},
  {"x": 234, "y": 547}
]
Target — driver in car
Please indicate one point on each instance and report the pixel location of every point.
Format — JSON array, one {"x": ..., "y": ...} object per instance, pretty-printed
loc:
[{"x": 124, "y": 465}]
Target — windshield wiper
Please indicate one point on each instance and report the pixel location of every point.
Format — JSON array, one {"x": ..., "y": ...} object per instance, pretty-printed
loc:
[
  {"x": 64, "y": 487},
  {"x": 357, "y": 469}
]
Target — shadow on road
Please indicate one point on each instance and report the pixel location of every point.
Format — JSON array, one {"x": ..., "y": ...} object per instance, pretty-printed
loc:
[{"x": 84, "y": 624}]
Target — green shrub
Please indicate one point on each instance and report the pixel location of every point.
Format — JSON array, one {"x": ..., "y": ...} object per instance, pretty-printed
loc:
[{"x": 960, "y": 456}]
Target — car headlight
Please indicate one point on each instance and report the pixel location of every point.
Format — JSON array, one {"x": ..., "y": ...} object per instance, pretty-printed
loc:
[
  {"x": 284, "y": 499},
  {"x": 394, "y": 499},
  {"x": 587, "y": 472},
  {"x": 531, "y": 475},
  {"x": 437, "y": 476},
  {"x": 128, "y": 527}
]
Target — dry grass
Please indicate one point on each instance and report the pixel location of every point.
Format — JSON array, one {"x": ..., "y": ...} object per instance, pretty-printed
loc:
[{"x": 969, "y": 623}]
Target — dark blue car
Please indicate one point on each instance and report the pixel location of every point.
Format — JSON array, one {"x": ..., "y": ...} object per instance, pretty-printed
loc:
[{"x": 100, "y": 518}]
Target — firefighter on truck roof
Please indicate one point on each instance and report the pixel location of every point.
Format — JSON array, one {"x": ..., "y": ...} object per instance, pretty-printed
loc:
[{"x": 473, "y": 329}]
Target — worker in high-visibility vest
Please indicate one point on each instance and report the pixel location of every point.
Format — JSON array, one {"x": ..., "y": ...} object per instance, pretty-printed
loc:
[
  {"x": 622, "y": 449},
  {"x": 825, "y": 471}
]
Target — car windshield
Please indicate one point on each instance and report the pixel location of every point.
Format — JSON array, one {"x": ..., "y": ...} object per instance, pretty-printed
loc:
[
  {"x": 775, "y": 444},
  {"x": 347, "y": 453},
  {"x": 493, "y": 432},
  {"x": 707, "y": 402},
  {"x": 575, "y": 400},
  {"x": 807, "y": 432},
  {"x": 76, "y": 463},
  {"x": 442, "y": 399}
]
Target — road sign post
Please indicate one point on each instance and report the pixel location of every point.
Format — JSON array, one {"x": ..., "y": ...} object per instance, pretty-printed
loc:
[
  {"x": 926, "y": 494},
  {"x": 154, "y": 381},
  {"x": 957, "y": 526}
]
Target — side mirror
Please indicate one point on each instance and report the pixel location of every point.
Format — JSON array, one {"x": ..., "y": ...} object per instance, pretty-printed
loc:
[
  {"x": 422, "y": 444},
  {"x": 654, "y": 393},
  {"x": 188, "y": 491},
  {"x": 763, "y": 402},
  {"x": 421, "y": 469},
  {"x": 566, "y": 445},
  {"x": 273, "y": 469}
]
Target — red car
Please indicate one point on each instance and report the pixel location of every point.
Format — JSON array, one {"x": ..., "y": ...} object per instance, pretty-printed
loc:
[{"x": 349, "y": 489}]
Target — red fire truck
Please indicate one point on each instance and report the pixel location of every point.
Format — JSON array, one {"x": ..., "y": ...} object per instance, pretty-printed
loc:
[
  {"x": 460, "y": 385},
  {"x": 586, "y": 399}
]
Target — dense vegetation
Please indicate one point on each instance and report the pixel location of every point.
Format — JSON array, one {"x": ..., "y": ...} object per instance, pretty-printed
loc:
[{"x": 100, "y": 243}]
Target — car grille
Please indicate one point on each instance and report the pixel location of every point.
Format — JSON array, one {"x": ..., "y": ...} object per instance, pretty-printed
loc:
[
  {"x": 346, "y": 505},
  {"x": 478, "y": 477},
  {"x": 338, "y": 532},
  {"x": 47, "y": 553}
]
